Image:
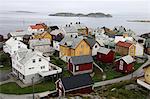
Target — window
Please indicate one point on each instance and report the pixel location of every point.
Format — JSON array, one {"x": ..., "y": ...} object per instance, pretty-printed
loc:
[
  {"x": 121, "y": 65},
  {"x": 18, "y": 46},
  {"x": 40, "y": 59},
  {"x": 82, "y": 46},
  {"x": 95, "y": 46},
  {"x": 31, "y": 68},
  {"x": 33, "y": 60},
  {"x": 77, "y": 67},
  {"x": 42, "y": 67}
]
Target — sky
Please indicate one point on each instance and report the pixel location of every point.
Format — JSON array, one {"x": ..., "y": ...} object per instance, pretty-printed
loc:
[{"x": 78, "y": 6}]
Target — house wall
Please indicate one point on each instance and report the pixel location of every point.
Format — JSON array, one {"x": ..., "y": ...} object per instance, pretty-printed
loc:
[
  {"x": 85, "y": 90},
  {"x": 82, "y": 49},
  {"x": 95, "y": 49},
  {"x": 36, "y": 66},
  {"x": 56, "y": 45},
  {"x": 109, "y": 58},
  {"x": 147, "y": 74},
  {"x": 122, "y": 50},
  {"x": 42, "y": 36},
  {"x": 132, "y": 50},
  {"x": 139, "y": 51}
]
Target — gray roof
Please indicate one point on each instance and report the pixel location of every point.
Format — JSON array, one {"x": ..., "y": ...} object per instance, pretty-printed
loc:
[
  {"x": 77, "y": 81},
  {"x": 71, "y": 41},
  {"x": 70, "y": 29},
  {"x": 39, "y": 42},
  {"x": 91, "y": 41},
  {"x": 104, "y": 50},
  {"x": 81, "y": 59}
]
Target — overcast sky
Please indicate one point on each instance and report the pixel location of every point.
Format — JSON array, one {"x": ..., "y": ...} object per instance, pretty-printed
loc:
[{"x": 77, "y": 6}]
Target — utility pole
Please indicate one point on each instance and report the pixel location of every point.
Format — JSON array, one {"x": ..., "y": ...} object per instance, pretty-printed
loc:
[{"x": 32, "y": 86}]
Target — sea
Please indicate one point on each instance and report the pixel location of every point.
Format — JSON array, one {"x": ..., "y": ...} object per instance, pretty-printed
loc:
[{"x": 12, "y": 21}]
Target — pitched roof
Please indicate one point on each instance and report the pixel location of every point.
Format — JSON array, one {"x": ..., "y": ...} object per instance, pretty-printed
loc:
[
  {"x": 27, "y": 54},
  {"x": 124, "y": 44},
  {"x": 37, "y": 26},
  {"x": 76, "y": 81},
  {"x": 81, "y": 59},
  {"x": 70, "y": 29},
  {"x": 104, "y": 50},
  {"x": 128, "y": 59},
  {"x": 39, "y": 42},
  {"x": 56, "y": 32},
  {"x": 71, "y": 41},
  {"x": 91, "y": 41},
  {"x": 20, "y": 33}
]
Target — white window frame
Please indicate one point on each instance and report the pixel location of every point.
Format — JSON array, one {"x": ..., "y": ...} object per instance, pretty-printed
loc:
[
  {"x": 77, "y": 67},
  {"x": 121, "y": 65}
]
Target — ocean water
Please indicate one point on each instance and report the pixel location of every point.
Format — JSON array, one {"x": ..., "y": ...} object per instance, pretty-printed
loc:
[{"x": 12, "y": 21}]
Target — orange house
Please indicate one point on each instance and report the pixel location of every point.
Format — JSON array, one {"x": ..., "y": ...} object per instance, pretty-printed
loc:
[
  {"x": 73, "y": 46},
  {"x": 125, "y": 48}
]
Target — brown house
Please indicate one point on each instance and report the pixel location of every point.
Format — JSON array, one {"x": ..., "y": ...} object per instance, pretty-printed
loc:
[{"x": 125, "y": 48}]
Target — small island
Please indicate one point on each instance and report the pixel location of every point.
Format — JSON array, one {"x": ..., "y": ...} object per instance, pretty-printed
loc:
[
  {"x": 64, "y": 14},
  {"x": 138, "y": 21}
]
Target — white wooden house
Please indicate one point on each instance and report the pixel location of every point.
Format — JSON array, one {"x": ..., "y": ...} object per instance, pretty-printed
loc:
[
  {"x": 12, "y": 45},
  {"x": 27, "y": 63}
]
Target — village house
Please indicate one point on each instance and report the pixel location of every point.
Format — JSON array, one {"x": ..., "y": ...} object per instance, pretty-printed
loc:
[
  {"x": 82, "y": 29},
  {"x": 81, "y": 84},
  {"x": 105, "y": 55},
  {"x": 12, "y": 45},
  {"x": 147, "y": 46},
  {"x": 42, "y": 45},
  {"x": 145, "y": 81},
  {"x": 43, "y": 35},
  {"x": 69, "y": 29},
  {"x": 72, "y": 45},
  {"x": 18, "y": 35},
  {"x": 94, "y": 45},
  {"x": 57, "y": 36},
  {"x": 125, "y": 48},
  {"x": 80, "y": 64},
  {"x": 28, "y": 64},
  {"x": 26, "y": 39},
  {"x": 123, "y": 39},
  {"x": 125, "y": 64},
  {"x": 37, "y": 28}
]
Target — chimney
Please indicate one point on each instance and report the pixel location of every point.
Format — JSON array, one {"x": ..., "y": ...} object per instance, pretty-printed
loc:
[
  {"x": 32, "y": 33},
  {"x": 66, "y": 25},
  {"x": 71, "y": 36},
  {"x": 39, "y": 38},
  {"x": 79, "y": 22},
  {"x": 71, "y": 23},
  {"x": 32, "y": 50},
  {"x": 76, "y": 22}
]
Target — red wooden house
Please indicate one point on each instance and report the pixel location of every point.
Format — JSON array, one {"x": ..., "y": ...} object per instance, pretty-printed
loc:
[
  {"x": 125, "y": 64},
  {"x": 105, "y": 55},
  {"x": 80, "y": 64},
  {"x": 75, "y": 84}
]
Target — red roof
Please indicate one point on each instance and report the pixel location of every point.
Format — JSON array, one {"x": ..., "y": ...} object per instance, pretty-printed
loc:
[
  {"x": 39, "y": 26},
  {"x": 124, "y": 44}
]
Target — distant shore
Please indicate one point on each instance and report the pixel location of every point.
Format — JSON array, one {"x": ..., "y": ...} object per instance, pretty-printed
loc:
[
  {"x": 139, "y": 21},
  {"x": 65, "y": 14}
]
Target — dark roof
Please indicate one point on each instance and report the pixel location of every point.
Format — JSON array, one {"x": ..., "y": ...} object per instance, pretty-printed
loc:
[
  {"x": 81, "y": 59},
  {"x": 91, "y": 41},
  {"x": 26, "y": 36},
  {"x": 76, "y": 81},
  {"x": 53, "y": 27}
]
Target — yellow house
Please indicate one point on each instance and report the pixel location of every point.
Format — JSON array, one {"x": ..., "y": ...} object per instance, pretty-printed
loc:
[
  {"x": 73, "y": 46},
  {"x": 42, "y": 35},
  {"x": 147, "y": 74}
]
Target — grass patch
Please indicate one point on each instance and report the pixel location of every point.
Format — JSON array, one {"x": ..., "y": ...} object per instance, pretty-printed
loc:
[
  {"x": 97, "y": 75},
  {"x": 121, "y": 93},
  {"x": 13, "y": 88}
]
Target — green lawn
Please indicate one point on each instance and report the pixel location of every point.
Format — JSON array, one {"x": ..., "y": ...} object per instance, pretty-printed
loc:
[
  {"x": 13, "y": 88},
  {"x": 97, "y": 75},
  {"x": 121, "y": 93}
]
